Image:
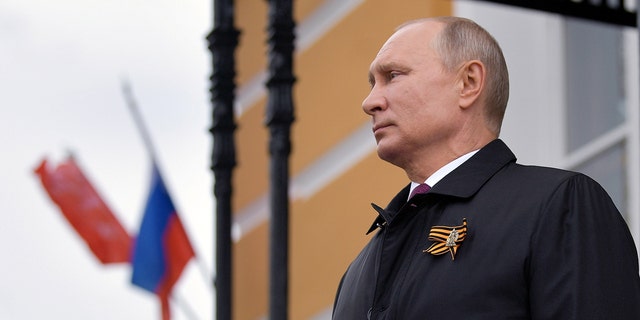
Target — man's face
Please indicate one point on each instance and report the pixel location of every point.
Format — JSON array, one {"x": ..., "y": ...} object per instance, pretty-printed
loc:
[{"x": 413, "y": 99}]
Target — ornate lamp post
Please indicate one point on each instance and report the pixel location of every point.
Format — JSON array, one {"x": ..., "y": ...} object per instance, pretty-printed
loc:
[
  {"x": 223, "y": 41},
  {"x": 279, "y": 117}
]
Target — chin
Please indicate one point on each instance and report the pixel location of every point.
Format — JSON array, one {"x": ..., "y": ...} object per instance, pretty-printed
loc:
[{"x": 388, "y": 155}]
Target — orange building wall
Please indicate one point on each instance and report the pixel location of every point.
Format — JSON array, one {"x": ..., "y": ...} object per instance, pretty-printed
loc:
[{"x": 326, "y": 230}]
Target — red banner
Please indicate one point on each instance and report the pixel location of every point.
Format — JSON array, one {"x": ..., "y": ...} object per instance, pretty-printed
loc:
[{"x": 85, "y": 210}]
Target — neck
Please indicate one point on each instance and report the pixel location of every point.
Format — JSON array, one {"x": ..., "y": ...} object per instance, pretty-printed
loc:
[{"x": 423, "y": 166}]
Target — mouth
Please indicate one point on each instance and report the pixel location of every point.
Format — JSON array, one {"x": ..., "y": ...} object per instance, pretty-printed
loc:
[{"x": 380, "y": 126}]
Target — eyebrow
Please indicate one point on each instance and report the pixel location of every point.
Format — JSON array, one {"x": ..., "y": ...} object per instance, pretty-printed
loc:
[{"x": 385, "y": 67}]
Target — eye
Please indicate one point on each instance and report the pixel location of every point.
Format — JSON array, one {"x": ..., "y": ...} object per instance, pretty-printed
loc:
[{"x": 393, "y": 74}]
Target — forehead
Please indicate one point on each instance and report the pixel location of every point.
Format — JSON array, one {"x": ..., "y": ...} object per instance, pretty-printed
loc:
[{"x": 409, "y": 45}]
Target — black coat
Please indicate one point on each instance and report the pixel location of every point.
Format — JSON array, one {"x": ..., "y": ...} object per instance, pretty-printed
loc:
[{"x": 540, "y": 243}]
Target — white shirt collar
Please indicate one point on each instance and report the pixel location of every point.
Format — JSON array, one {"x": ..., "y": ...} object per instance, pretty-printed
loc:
[{"x": 444, "y": 171}]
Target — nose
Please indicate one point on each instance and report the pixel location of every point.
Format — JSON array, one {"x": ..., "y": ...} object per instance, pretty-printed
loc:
[{"x": 374, "y": 102}]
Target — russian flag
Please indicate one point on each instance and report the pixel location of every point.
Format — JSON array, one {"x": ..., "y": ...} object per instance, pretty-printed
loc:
[{"x": 162, "y": 248}]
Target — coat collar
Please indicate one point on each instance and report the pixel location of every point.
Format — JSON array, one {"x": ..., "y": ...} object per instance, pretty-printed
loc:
[
  {"x": 468, "y": 178},
  {"x": 463, "y": 182}
]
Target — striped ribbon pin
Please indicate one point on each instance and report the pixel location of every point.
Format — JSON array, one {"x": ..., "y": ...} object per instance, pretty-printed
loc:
[{"x": 447, "y": 239}]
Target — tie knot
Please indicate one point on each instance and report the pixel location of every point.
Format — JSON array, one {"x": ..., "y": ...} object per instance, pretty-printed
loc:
[{"x": 420, "y": 189}]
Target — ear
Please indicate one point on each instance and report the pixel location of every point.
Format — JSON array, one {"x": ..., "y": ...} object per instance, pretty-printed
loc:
[{"x": 472, "y": 80}]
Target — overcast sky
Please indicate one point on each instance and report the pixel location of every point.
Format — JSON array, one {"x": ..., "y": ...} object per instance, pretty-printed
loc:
[{"x": 61, "y": 66}]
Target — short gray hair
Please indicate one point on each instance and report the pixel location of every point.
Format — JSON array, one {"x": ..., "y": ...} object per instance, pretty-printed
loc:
[{"x": 462, "y": 40}]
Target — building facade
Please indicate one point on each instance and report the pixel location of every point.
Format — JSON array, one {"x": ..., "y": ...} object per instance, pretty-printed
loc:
[{"x": 573, "y": 104}]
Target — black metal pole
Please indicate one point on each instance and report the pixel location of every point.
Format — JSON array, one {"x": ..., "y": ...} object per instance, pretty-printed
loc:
[
  {"x": 223, "y": 41},
  {"x": 279, "y": 117}
]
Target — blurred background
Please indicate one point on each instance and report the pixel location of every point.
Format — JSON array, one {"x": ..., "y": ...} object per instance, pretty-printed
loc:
[{"x": 62, "y": 64}]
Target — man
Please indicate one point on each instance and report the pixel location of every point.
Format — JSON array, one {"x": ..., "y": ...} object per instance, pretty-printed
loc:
[{"x": 491, "y": 239}]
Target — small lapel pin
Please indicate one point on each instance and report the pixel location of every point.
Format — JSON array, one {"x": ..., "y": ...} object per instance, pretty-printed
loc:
[{"x": 447, "y": 239}]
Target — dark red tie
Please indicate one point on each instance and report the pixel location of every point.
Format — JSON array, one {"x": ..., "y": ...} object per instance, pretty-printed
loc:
[{"x": 420, "y": 189}]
